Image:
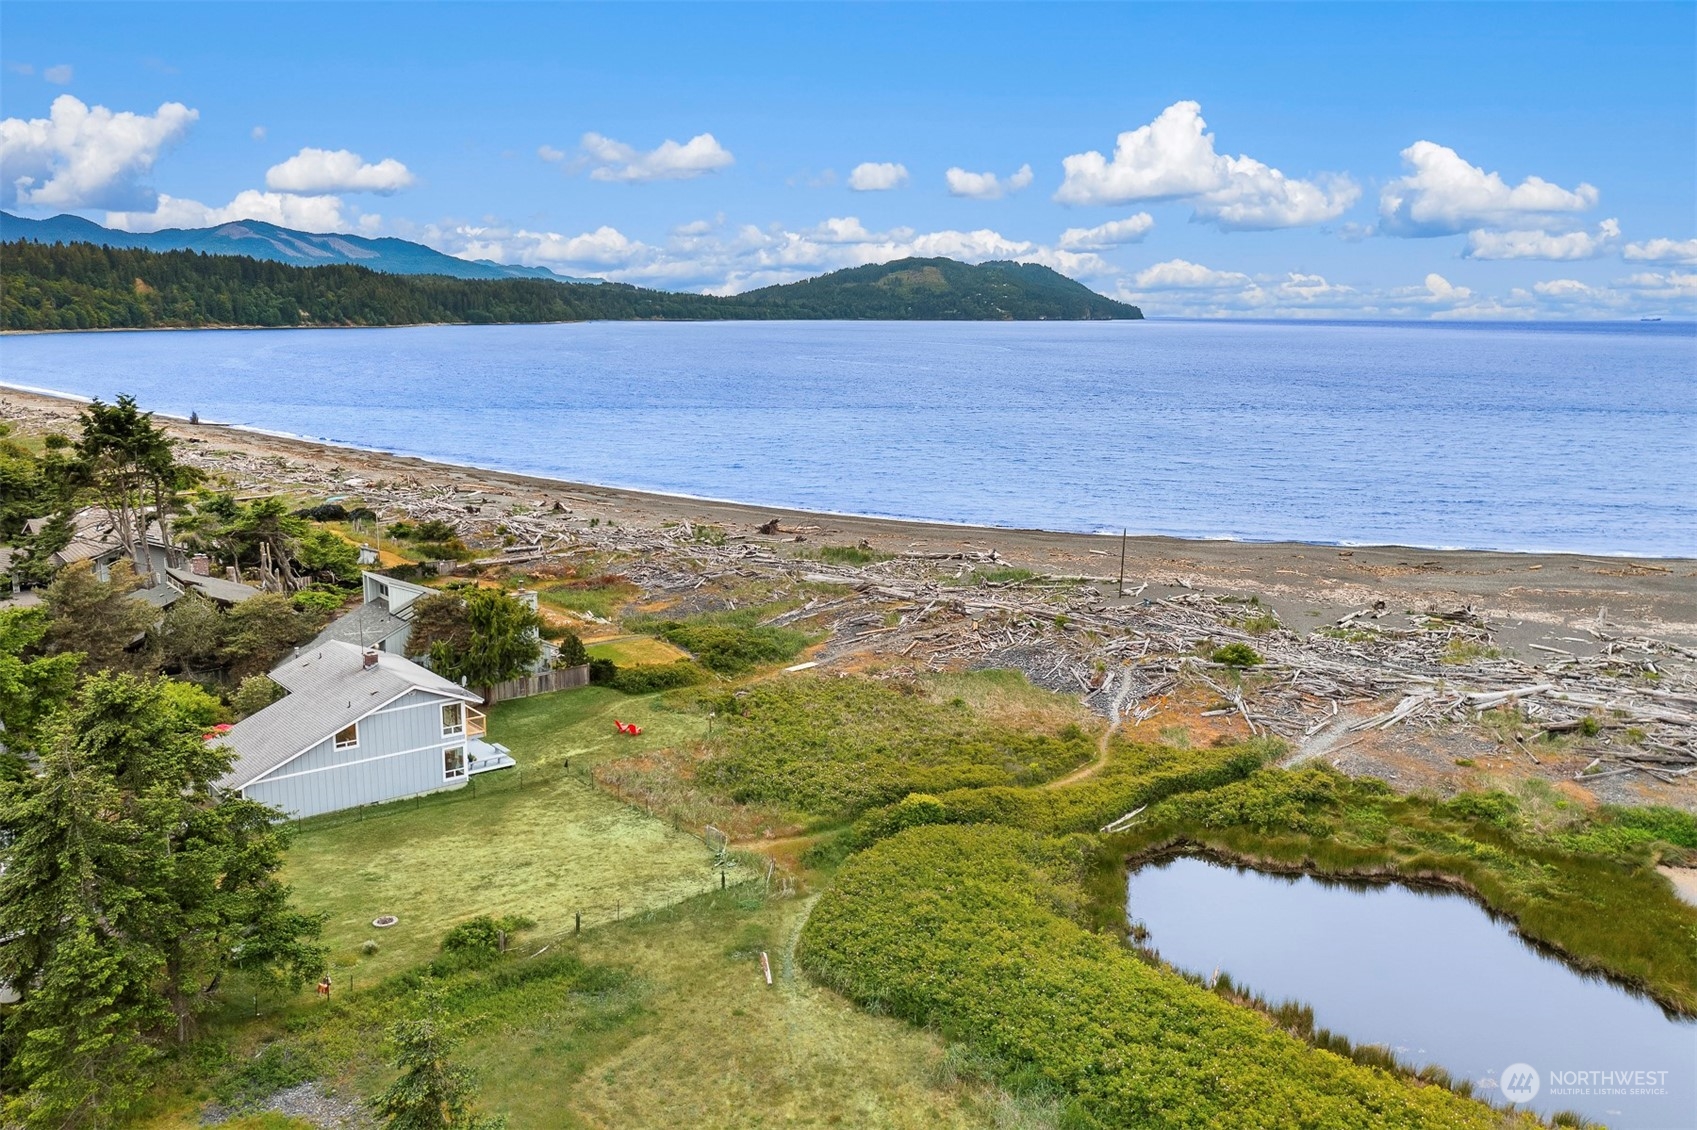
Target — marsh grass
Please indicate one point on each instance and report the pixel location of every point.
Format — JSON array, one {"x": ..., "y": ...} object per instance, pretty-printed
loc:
[{"x": 1533, "y": 857}]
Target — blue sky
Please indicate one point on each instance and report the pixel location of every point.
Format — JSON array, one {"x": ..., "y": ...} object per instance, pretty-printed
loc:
[{"x": 1270, "y": 160}]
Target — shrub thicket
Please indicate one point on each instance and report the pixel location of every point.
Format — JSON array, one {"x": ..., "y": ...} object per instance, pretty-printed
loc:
[
  {"x": 835, "y": 747},
  {"x": 964, "y": 929},
  {"x": 731, "y": 643}
]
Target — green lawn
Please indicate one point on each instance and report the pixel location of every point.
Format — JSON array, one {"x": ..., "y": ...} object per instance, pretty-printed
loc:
[
  {"x": 579, "y": 724},
  {"x": 535, "y": 841},
  {"x": 628, "y": 651}
]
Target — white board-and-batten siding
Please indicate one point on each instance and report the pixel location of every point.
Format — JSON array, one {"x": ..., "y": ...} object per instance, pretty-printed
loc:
[{"x": 399, "y": 755}]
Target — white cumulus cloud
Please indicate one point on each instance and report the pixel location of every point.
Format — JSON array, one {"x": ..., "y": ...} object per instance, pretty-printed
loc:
[
  {"x": 1664, "y": 284},
  {"x": 1114, "y": 233},
  {"x": 714, "y": 258},
  {"x": 1443, "y": 195},
  {"x": 1181, "y": 274},
  {"x": 1173, "y": 158},
  {"x": 321, "y": 171},
  {"x": 986, "y": 186},
  {"x": 82, "y": 156},
  {"x": 611, "y": 160},
  {"x": 1661, "y": 251},
  {"x": 1487, "y": 244},
  {"x": 877, "y": 176},
  {"x": 320, "y": 213}
]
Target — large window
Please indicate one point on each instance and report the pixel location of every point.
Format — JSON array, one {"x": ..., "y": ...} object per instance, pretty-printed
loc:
[
  {"x": 348, "y": 738},
  {"x": 453, "y": 719},
  {"x": 453, "y": 762}
]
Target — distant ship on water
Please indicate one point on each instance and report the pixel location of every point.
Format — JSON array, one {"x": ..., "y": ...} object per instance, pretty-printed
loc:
[{"x": 1649, "y": 319}]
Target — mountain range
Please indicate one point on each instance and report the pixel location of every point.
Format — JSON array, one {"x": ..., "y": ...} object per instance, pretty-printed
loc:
[
  {"x": 68, "y": 273},
  {"x": 260, "y": 240}
]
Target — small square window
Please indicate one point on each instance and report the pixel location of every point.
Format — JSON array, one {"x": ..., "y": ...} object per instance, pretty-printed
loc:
[
  {"x": 348, "y": 738},
  {"x": 453, "y": 763},
  {"x": 453, "y": 719}
]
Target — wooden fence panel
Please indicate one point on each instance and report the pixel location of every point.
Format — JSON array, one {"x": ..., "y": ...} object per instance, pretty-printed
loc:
[{"x": 559, "y": 679}]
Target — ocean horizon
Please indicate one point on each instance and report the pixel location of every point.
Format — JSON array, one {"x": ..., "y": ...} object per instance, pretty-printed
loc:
[{"x": 1541, "y": 437}]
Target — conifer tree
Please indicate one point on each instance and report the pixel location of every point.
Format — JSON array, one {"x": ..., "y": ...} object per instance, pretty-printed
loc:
[{"x": 132, "y": 886}]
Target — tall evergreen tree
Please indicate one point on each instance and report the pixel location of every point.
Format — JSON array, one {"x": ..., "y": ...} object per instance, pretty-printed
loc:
[{"x": 132, "y": 886}]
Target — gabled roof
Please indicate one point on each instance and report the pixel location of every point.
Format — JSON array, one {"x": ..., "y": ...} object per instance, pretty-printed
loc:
[
  {"x": 367, "y": 625},
  {"x": 330, "y": 688}
]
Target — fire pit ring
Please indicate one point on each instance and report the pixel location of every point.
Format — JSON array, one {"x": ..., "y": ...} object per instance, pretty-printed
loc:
[{"x": 384, "y": 921}]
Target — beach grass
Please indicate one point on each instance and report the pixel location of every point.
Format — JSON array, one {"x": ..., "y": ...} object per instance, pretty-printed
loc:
[{"x": 601, "y": 596}]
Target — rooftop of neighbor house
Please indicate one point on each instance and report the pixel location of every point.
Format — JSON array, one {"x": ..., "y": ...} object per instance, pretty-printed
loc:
[
  {"x": 330, "y": 687},
  {"x": 365, "y": 625}
]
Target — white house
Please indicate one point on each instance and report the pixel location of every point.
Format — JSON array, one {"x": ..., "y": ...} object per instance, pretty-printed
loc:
[{"x": 357, "y": 727}]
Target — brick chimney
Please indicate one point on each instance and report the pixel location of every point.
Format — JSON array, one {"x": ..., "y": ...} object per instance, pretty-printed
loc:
[
  {"x": 371, "y": 654},
  {"x": 200, "y": 565}
]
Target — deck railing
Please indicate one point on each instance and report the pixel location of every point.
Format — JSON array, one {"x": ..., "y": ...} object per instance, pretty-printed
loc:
[{"x": 475, "y": 723}]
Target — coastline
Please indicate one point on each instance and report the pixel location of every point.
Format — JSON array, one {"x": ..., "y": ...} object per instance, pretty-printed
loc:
[{"x": 1305, "y": 581}]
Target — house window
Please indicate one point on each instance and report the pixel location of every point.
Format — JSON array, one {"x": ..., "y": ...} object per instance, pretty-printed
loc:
[
  {"x": 453, "y": 762},
  {"x": 348, "y": 738},
  {"x": 453, "y": 720}
]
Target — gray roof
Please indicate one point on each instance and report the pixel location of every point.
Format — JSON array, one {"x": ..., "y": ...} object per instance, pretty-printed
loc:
[
  {"x": 366, "y": 626},
  {"x": 160, "y": 596},
  {"x": 215, "y": 588},
  {"x": 329, "y": 689}
]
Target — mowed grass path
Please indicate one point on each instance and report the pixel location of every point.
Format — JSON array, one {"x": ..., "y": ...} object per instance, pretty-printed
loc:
[{"x": 537, "y": 841}]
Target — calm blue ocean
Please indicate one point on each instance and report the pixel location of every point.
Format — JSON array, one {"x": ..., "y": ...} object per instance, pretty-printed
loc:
[{"x": 1580, "y": 438}]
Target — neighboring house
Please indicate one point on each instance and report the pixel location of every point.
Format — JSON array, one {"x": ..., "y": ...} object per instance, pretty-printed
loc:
[
  {"x": 170, "y": 573},
  {"x": 384, "y": 619},
  {"x": 357, "y": 727}
]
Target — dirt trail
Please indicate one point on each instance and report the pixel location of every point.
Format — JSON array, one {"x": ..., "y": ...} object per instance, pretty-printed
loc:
[{"x": 1084, "y": 772}]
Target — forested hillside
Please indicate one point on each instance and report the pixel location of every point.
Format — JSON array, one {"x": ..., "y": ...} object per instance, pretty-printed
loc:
[{"x": 79, "y": 286}]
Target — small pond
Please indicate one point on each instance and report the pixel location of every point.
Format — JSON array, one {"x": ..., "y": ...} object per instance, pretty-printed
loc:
[{"x": 1430, "y": 975}]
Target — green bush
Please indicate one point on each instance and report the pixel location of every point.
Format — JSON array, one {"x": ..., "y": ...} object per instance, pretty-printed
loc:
[
  {"x": 476, "y": 942},
  {"x": 962, "y": 930},
  {"x": 572, "y": 651},
  {"x": 319, "y": 601},
  {"x": 646, "y": 678},
  {"x": 434, "y": 530},
  {"x": 1239, "y": 655},
  {"x": 730, "y": 643}
]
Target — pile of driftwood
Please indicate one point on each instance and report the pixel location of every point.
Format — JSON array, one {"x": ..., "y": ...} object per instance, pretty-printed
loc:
[{"x": 1369, "y": 670}]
